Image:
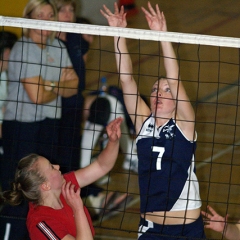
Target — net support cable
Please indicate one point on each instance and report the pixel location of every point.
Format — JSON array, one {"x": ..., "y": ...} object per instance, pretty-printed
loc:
[{"x": 131, "y": 33}]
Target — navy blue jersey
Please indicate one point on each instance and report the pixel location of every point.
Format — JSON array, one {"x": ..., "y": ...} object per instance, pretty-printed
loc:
[
  {"x": 76, "y": 46},
  {"x": 166, "y": 168},
  {"x": 72, "y": 107}
]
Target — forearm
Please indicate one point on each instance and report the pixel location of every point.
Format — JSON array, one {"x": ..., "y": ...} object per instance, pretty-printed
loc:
[
  {"x": 63, "y": 88},
  {"x": 232, "y": 231},
  {"x": 36, "y": 90},
  {"x": 170, "y": 61},
  {"x": 108, "y": 156},
  {"x": 47, "y": 96},
  {"x": 82, "y": 226},
  {"x": 123, "y": 60}
]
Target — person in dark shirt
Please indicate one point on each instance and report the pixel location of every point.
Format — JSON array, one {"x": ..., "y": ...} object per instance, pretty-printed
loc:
[{"x": 72, "y": 109}]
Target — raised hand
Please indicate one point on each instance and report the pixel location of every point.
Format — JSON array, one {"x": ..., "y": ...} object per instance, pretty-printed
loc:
[
  {"x": 116, "y": 19},
  {"x": 155, "y": 18},
  {"x": 113, "y": 129},
  {"x": 213, "y": 220}
]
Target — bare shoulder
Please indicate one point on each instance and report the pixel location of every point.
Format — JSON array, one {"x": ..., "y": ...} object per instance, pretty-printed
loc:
[{"x": 142, "y": 115}]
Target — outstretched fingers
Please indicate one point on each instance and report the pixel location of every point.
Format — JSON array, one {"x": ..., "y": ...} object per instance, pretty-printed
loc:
[
  {"x": 213, "y": 212},
  {"x": 213, "y": 220},
  {"x": 106, "y": 13},
  {"x": 209, "y": 215},
  {"x": 116, "y": 19},
  {"x": 152, "y": 11},
  {"x": 155, "y": 18}
]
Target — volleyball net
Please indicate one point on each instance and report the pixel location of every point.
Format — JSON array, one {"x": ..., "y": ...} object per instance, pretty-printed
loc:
[{"x": 209, "y": 69}]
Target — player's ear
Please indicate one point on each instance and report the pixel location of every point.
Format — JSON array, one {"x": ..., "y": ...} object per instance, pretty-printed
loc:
[{"x": 45, "y": 186}]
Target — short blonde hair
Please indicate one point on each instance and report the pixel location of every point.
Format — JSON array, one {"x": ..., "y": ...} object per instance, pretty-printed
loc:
[
  {"x": 62, "y": 3},
  {"x": 33, "y": 5}
]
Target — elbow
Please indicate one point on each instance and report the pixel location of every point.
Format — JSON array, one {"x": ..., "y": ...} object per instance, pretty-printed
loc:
[
  {"x": 70, "y": 92},
  {"x": 73, "y": 90},
  {"x": 36, "y": 100},
  {"x": 39, "y": 101}
]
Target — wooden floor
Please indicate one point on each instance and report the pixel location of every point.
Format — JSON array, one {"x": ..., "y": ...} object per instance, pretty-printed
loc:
[{"x": 211, "y": 76}]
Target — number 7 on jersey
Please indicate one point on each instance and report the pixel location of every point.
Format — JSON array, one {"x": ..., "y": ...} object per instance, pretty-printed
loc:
[{"x": 161, "y": 151}]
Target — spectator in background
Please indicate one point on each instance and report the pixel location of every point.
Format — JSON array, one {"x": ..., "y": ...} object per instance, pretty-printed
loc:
[
  {"x": 72, "y": 110},
  {"x": 7, "y": 40},
  {"x": 72, "y": 107},
  {"x": 40, "y": 73},
  {"x": 87, "y": 37}
]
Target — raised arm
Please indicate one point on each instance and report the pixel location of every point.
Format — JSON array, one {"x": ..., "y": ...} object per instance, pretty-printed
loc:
[
  {"x": 105, "y": 160},
  {"x": 184, "y": 112},
  {"x": 136, "y": 107},
  {"x": 219, "y": 224}
]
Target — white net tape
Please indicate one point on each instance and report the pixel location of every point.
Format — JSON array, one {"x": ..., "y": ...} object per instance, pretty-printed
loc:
[{"x": 131, "y": 33}]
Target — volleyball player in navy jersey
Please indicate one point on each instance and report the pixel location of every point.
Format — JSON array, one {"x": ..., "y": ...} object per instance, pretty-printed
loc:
[{"x": 166, "y": 142}]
